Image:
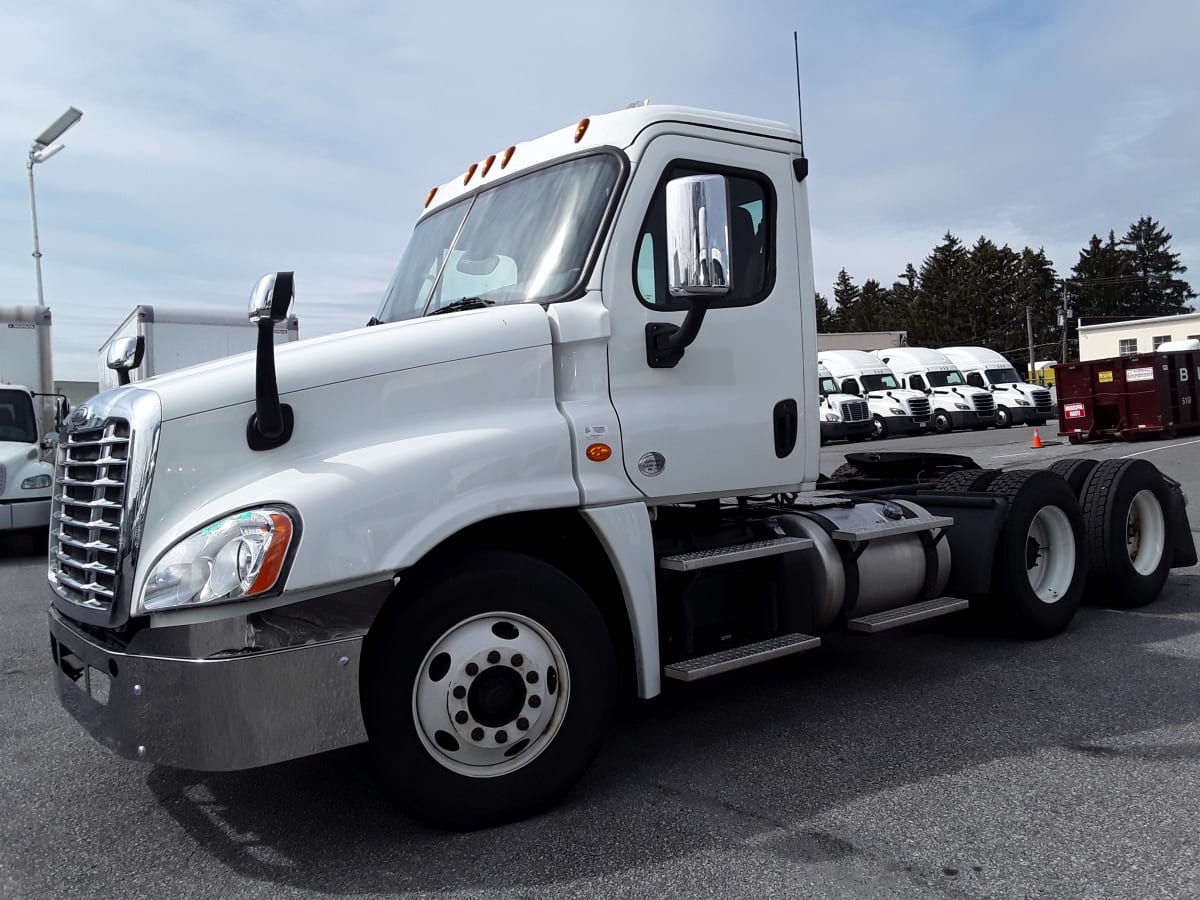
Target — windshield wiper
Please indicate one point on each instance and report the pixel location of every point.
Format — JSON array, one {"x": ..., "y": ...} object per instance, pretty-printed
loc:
[{"x": 463, "y": 303}]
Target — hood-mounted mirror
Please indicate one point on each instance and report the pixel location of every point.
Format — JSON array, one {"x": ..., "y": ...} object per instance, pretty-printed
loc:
[
  {"x": 124, "y": 354},
  {"x": 271, "y": 422}
]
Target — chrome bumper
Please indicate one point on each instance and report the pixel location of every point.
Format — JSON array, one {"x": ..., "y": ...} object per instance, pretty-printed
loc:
[{"x": 212, "y": 715}]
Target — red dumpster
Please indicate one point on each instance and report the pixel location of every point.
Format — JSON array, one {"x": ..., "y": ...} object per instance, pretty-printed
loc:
[{"x": 1125, "y": 396}]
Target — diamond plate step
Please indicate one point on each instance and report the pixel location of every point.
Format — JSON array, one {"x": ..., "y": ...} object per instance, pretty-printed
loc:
[
  {"x": 906, "y": 615},
  {"x": 720, "y": 556},
  {"x": 740, "y": 657},
  {"x": 891, "y": 529}
]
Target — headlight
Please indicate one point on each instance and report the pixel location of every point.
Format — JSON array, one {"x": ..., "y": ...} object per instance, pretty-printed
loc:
[
  {"x": 1023, "y": 403},
  {"x": 35, "y": 482},
  {"x": 240, "y": 556},
  {"x": 961, "y": 406},
  {"x": 832, "y": 417},
  {"x": 896, "y": 412}
]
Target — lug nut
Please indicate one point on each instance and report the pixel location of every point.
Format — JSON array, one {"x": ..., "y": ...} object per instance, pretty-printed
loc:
[
  {"x": 477, "y": 734},
  {"x": 535, "y": 702},
  {"x": 472, "y": 669},
  {"x": 459, "y": 692},
  {"x": 531, "y": 677},
  {"x": 518, "y": 660},
  {"x": 523, "y": 723},
  {"x": 501, "y": 737},
  {"x": 494, "y": 657},
  {"x": 461, "y": 717}
]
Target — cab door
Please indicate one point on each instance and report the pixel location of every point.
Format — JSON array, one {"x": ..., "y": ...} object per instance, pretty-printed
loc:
[{"x": 737, "y": 413}]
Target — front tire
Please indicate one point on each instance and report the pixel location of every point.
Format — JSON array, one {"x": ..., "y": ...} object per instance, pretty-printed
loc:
[
  {"x": 1003, "y": 417},
  {"x": 1125, "y": 503},
  {"x": 942, "y": 423},
  {"x": 1040, "y": 566},
  {"x": 879, "y": 429},
  {"x": 486, "y": 690}
]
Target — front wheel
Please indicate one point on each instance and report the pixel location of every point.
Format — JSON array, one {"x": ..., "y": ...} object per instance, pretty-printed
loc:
[
  {"x": 1003, "y": 417},
  {"x": 942, "y": 423},
  {"x": 879, "y": 429},
  {"x": 486, "y": 690}
]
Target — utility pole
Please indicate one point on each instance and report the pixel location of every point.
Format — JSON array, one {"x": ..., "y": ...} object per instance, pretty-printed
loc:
[
  {"x": 1064, "y": 319},
  {"x": 1029, "y": 329}
]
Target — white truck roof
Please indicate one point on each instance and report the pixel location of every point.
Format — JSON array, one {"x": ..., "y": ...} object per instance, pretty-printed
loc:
[
  {"x": 916, "y": 359},
  {"x": 1190, "y": 344},
  {"x": 850, "y": 362},
  {"x": 976, "y": 358}
]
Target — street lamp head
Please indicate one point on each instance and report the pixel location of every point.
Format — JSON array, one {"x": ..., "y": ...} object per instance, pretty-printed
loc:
[
  {"x": 40, "y": 156},
  {"x": 56, "y": 130}
]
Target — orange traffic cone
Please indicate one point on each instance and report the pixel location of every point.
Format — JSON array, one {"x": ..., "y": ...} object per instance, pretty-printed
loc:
[{"x": 1037, "y": 440}]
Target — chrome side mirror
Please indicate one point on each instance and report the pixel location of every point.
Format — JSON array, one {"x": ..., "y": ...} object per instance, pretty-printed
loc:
[
  {"x": 698, "y": 263},
  {"x": 271, "y": 423},
  {"x": 271, "y": 298},
  {"x": 124, "y": 354}
]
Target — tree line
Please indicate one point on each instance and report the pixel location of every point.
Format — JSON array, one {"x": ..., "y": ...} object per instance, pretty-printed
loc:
[{"x": 978, "y": 295}]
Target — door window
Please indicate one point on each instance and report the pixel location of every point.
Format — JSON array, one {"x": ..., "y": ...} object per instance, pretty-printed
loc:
[{"x": 916, "y": 382}]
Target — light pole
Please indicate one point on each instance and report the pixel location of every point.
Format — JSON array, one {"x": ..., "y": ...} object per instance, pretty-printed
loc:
[{"x": 40, "y": 151}]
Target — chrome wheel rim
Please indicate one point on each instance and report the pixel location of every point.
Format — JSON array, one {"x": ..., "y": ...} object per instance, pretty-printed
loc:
[
  {"x": 491, "y": 694},
  {"x": 1145, "y": 533},
  {"x": 1050, "y": 554}
]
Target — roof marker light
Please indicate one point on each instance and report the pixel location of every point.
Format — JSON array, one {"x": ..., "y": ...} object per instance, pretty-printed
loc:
[
  {"x": 487, "y": 164},
  {"x": 429, "y": 196},
  {"x": 507, "y": 156},
  {"x": 581, "y": 129},
  {"x": 470, "y": 172}
]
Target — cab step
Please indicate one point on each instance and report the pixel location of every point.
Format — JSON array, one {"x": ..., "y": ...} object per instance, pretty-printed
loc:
[
  {"x": 739, "y": 657},
  {"x": 891, "y": 529},
  {"x": 720, "y": 556},
  {"x": 906, "y": 615}
]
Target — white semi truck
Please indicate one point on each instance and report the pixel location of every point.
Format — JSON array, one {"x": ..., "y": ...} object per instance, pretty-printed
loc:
[
  {"x": 173, "y": 338},
  {"x": 894, "y": 409},
  {"x": 25, "y": 466},
  {"x": 1017, "y": 402},
  {"x": 588, "y": 464},
  {"x": 843, "y": 416},
  {"x": 955, "y": 403}
]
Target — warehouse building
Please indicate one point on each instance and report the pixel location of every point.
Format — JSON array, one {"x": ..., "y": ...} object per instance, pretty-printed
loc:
[{"x": 1100, "y": 340}]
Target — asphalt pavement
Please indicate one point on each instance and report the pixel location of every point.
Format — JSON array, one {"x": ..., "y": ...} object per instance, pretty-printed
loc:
[{"x": 932, "y": 761}]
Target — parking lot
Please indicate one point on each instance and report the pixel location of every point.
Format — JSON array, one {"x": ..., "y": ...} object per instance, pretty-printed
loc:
[{"x": 932, "y": 761}]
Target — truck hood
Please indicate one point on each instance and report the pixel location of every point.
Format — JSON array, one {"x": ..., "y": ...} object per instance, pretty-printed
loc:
[
  {"x": 19, "y": 461},
  {"x": 316, "y": 362}
]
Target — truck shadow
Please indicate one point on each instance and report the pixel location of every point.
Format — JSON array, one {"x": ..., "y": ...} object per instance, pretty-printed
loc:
[{"x": 742, "y": 760}]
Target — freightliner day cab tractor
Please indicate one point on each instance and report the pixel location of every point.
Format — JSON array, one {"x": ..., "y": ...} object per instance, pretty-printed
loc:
[
  {"x": 1016, "y": 401},
  {"x": 25, "y": 478},
  {"x": 894, "y": 409},
  {"x": 591, "y": 465},
  {"x": 843, "y": 416},
  {"x": 955, "y": 403}
]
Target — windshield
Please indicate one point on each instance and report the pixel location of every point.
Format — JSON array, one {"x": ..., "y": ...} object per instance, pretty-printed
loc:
[
  {"x": 880, "y": 382},
  {"x": 1003, "y": 376},
  {"x": 953, "y": 378},
  {"x": 829, "y": 386},
  {"x": 16, "y": 417},
  {"x": 525, "y": 240}
]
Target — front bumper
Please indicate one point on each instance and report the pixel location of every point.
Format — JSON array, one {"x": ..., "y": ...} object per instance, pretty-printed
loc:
[
  {"x": 906, "y": 424},
  {"x": 833, "y": 431},
  {"x": 966, "y": 418},
  {"x": 21, "y": 514},
  {"x": 213, "y": 715}
]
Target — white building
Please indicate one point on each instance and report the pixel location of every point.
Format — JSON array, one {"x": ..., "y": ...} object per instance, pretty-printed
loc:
[{"x": 1135, "y": 335}]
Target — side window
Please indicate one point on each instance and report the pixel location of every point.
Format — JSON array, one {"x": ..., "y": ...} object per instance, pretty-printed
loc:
[
  {"x": 751, "y": 240},
  {"x": 849, "y": 386},
  {"x": 975, "y": 379},
  {"x": 916, "y": 382}
]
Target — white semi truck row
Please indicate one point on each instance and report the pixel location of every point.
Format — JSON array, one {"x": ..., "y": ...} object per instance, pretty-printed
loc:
[{"x": 590, "y": 465}]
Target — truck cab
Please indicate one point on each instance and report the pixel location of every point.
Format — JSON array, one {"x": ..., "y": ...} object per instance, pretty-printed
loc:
[
  {"x": 956, "y": 404},
  {"x": 843, "y": 416},
  {"x": 894, "y": 409},
  {"x": 26, "y": 480},
  {"x": 1017, "y": 402}
]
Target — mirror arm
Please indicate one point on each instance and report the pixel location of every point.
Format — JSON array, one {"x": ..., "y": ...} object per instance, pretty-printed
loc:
[
  {"x": 271, "y": 424},
  {"x": 665, "y": 342}
]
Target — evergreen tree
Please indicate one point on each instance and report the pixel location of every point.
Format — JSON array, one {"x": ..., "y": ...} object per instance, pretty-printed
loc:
[
  {"x": 938, "y": 293},
  {"x": 1038, "y": 289},
  {"x": 845, "y": 295},
  {"x": 824, "y": 314},
  {"x": 1100, "y": 286},
  {"x": 986, "y": 312},
  {"x": 904, "y": 298},
  {"x": 872, "y": 310},
  {"x": 1156, "y": 291}
]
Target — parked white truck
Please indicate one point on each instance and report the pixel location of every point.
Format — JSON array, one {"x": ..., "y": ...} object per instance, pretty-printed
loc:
[
  {"x": 843, "y": 416},
  {"x": 173, "y": 338},
  {"x": 25, "y": 467},
  {"x": 955, "y": 403},
  {"x": 1017, "y": 402},
  {"x": 575, "y": 459},
  {"x": 894, "y": 409}
]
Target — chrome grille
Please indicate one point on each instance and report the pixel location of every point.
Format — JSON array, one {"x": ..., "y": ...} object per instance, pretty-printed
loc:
[
  {"x": 855, "y": 411},
  {"x": 985, "y": 405},
  {"x": 88, "y": 506},
  {"x": 919, "y": 407},
  {"x": 1041, "y": 399}
]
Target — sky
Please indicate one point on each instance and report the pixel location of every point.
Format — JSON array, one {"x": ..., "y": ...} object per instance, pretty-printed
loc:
[{"x": 224, "y": 140}]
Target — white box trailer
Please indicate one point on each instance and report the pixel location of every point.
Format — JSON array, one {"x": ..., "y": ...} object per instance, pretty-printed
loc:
[
  {"x": 20, "y": 357},
  {"x": 862, "y": 340},
  {"x": 178, "y": 337}
]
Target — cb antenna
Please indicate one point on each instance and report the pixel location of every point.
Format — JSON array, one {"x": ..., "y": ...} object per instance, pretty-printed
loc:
[{"x": 799, "y": 103}]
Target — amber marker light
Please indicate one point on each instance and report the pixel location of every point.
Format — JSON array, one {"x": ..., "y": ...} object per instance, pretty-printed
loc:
[
  {"x": 429, "y": 197},
  {"x": 581, "y": 129},
  {"x": 598, "y": 452},
  {"x": 487, "y": 164},
  {"x": 281, "y": 539},
  {"x": 507, "y": 156},
  {"x": 470, "y": 172}
]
